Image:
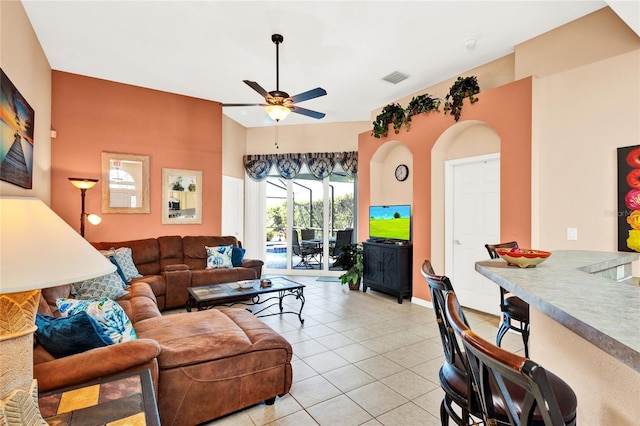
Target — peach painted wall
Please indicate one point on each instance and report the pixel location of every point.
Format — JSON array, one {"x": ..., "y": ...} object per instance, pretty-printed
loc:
[
  {"x": 507, "y": 110},
  {"x": 179, "y": 132}
]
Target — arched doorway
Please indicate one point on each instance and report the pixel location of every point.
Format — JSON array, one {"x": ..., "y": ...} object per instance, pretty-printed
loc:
[{"x": 470, "y": 217}]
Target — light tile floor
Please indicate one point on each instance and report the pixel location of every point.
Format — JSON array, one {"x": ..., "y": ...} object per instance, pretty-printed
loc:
[{"x": 360, "y": 359}]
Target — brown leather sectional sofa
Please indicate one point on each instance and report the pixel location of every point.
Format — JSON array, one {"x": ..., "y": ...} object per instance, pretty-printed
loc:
[
  {"x": 204, "y": 364},
  {"x": 172, "y": 264}
]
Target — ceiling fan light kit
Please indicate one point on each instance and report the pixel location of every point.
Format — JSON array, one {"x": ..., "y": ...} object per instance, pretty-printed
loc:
[
  {"x": 277, "y": 112},
  {"x": 278, "y": 103}
]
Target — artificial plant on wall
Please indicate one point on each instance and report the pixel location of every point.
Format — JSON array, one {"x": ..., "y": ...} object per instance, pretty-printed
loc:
[
  {"x": 421, "y": 104},
  {"x": 462, "y": 88},
  {"x": 394, "y": 113}
]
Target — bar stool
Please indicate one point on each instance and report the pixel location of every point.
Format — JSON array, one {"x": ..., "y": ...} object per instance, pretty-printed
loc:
[
  {"x": 513, "y": 308},
  {"x": 455, "y": 375},
  {"x": 512, "y": 389}
]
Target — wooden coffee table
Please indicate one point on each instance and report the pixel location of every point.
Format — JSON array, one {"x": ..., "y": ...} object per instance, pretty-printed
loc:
[{"x": 228, "y": 294}]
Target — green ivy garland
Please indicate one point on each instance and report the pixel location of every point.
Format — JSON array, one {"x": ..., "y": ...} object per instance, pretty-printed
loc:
[
  {"x": 394, "y": 113},
  {"x": 462, "y": 88},
  {"x": 421, "y": 104}
]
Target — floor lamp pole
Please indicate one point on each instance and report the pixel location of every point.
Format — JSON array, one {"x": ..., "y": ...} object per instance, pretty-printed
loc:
[{"x": 83, "y": 193}]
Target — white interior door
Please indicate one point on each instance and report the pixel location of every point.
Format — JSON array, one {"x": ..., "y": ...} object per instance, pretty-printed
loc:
[
  {"x": 473, "y": 194},
  {"x": 233, "y": 207}
]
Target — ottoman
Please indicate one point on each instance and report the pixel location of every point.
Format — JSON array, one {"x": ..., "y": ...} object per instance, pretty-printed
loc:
[{"x": 215, "y": 362}]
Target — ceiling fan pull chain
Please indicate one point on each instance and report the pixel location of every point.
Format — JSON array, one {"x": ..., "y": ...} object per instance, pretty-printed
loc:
[{"x": 276, "y": 144}]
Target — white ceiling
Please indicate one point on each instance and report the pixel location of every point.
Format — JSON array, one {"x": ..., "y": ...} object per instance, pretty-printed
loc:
[{"x": 205, "y": 49}]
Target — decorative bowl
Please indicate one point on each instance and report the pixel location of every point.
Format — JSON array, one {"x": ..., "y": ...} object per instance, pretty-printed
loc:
[
  {"x": 522, "y": 257},
  {"x": 247, "y": 283}
]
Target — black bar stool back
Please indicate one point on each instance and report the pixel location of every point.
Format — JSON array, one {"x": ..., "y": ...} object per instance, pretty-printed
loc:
[
  {"x": 513, "y": 390},
  {"x": 455, "y": 375},
  {"x": 515, "y": 311}
]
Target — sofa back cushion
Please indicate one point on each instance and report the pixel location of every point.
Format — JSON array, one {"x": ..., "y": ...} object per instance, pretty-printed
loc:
[
  {"x": 48, "y": 298},
  {"x": 145, "y": 253},
  {"x": 195, "y": 254},
  {"x": 170, "y": 251}
]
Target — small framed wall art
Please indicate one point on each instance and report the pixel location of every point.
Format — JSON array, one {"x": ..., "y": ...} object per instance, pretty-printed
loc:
[
  {"x": 125, "y": 183},
  {"x": 181, "y": 196}
]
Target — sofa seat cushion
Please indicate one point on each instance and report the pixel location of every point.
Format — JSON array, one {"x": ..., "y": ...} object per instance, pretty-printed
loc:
[{"x": 195, "y": 337}]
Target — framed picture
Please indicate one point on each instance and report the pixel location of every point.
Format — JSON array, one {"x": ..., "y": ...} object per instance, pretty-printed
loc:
[
  {"x": 181, "y": 196},
  {"x": 125, "y": 183},
  {"x": 629, "y": 198},
  {"x": 16, "y": 127}
]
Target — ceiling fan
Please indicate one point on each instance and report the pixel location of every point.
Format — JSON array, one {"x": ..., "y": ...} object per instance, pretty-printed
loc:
[{"x": 279, "y": 104}]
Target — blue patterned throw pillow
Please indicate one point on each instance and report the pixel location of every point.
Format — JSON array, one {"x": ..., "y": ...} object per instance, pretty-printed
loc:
[
  {"x": 125, "y": 260},
  {"x": 219, "y": 257},
  {"x": 119, "y": 270},
  {"x": 66, "y": 336},
  {"x": 110, "y": 286},
  {"x": 106, "y": 312}
]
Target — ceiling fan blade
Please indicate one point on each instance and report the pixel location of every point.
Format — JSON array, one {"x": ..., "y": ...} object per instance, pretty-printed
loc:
[
  {"x": 310, "y": 94},
  {"x": 307, "y": 112},
  {"x": 255, "y": 86},
  {"x": 240, "y": 105}
]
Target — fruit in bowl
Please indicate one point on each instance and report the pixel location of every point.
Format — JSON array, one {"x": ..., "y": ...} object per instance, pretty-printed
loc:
[{"x": 522, "y": 257}]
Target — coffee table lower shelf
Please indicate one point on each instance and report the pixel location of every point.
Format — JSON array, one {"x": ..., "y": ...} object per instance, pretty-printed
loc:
[{"x": 230, "y": 294}]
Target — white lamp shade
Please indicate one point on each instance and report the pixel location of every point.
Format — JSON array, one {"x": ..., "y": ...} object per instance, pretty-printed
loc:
[{"x": 38, "y": 249}]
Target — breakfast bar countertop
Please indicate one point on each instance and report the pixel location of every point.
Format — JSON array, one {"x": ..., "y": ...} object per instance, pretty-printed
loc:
[{"x": 603, "y": 311}]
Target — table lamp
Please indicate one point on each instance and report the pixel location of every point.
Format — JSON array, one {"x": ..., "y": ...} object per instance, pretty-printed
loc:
[{"x": 37, "y": 250}]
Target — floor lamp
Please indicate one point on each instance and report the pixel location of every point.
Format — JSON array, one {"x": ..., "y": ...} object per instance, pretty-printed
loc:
[
  {"x": 83, "y": 184},
  {"x": 37, "y": 250}
]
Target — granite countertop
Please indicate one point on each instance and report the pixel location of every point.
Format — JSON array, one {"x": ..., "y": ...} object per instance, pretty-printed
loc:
[{"x": 602, "y": 311}]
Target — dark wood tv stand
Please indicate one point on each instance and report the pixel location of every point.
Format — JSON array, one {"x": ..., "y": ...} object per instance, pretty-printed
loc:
[{"x": 387, "y": 268}]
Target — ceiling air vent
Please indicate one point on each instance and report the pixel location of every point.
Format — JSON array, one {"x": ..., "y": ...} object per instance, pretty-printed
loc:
[{"x": 395, "y": 77}]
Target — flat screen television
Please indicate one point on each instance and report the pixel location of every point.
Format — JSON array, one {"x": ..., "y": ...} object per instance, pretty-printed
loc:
[{"x": 390, "y": 223}]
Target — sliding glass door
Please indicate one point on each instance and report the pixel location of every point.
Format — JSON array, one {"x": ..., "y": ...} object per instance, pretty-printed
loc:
[{"x": 303, "y": 216}]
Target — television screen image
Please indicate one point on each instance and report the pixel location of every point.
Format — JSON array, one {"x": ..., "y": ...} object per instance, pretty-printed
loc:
[{"x": 390, "y": 222}]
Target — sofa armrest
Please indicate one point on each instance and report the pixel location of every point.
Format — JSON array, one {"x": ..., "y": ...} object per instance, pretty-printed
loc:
[
  {"x": 95, "y": 363},
  {"x": 177, "y": 283},
  {"x": 253, "y": 264}
]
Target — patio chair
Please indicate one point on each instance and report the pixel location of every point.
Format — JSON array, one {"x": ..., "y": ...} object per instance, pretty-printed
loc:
[
  {"x": 343, "y": 238},
  {"x": 304, "y": 253}
]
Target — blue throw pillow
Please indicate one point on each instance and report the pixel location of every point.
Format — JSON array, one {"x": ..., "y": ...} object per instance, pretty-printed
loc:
[
  {"x": 70, "y": 335},
  {"x": 237, "y": 254},
  {"x": 119, "y": 270}
]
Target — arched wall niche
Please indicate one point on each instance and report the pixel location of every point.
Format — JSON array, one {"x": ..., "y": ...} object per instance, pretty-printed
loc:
[
  {"x": 384, "y": 188},
  {"x": 462, "y": 140},
  {"x": 507, "y": 111}
]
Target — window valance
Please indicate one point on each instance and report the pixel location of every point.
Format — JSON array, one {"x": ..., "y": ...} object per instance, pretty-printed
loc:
[{"x": 321, "y": 164}]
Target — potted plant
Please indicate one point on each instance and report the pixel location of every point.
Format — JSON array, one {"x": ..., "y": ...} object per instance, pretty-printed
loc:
[
  {"x": 463, "y": 87},
  {"x": 350, "y": 260},
  {"x": 392, "y": 113}
]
